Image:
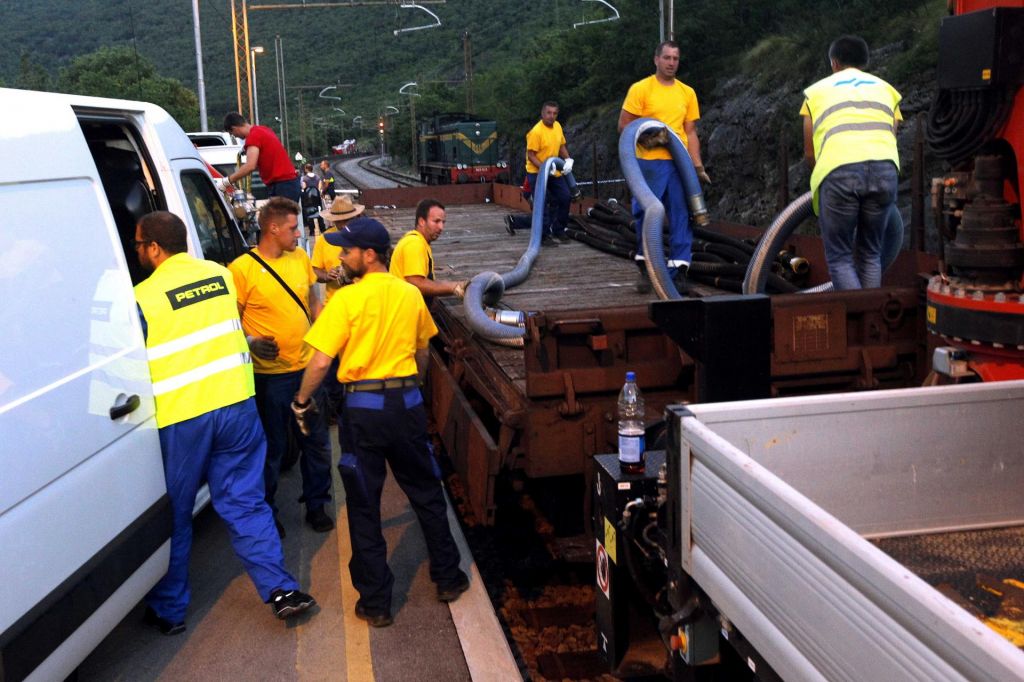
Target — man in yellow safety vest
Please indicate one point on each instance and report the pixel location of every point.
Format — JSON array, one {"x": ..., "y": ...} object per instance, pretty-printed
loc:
[
  {"x": 209, "y": 428},
  {"x": 850, "y": 121}
]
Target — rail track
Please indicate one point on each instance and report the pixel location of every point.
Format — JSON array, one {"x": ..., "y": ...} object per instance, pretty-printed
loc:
[{"x": 363, "y": 174}]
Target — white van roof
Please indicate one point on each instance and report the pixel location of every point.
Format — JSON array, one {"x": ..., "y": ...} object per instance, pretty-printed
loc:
[{"x": 40, "y": 134}]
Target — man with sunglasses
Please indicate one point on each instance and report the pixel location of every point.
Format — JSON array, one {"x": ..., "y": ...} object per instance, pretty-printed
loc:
[
  {"x": 381, "y": 329},
  {"x": 208, "y": 425}
]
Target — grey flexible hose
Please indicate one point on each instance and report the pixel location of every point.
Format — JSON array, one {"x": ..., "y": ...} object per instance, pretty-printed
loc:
[
  {"x": 782, "y": 227},
  {"x": 654, "y": 211},
  {"x": 487, "y": 288}
]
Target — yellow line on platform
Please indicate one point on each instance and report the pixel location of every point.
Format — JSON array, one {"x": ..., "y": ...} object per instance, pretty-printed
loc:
[{"x": 358, "y": 659}]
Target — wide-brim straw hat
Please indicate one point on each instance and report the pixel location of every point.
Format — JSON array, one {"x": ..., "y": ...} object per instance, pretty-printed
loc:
[{"x": 342, "y": 208}]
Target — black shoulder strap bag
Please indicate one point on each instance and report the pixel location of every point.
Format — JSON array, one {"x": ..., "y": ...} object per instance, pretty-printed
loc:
[{"x": 280, "y": 281}]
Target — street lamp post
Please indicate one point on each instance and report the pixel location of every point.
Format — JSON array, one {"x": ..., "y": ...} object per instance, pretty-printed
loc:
[
  {"x": 256, "y": 49},
  {"x": 412, "y": 120}
]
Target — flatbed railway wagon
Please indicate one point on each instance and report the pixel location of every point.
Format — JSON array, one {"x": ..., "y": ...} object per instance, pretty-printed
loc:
[
  {"x": 546, "y": 408},
  {"x": 455, "y": 149}
]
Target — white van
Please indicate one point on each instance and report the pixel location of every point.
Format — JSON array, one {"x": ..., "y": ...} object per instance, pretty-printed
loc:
[{"x": 85, "y": 519}]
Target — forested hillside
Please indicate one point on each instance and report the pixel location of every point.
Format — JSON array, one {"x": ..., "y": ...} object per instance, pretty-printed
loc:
[{"x": 522, "y": 54}]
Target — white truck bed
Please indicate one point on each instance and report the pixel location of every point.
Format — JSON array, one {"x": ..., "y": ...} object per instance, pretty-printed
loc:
[{"x": 778, "y": 500}]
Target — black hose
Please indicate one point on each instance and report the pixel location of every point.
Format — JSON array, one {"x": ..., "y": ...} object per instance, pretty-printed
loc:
[
  {"x": 730, "y": 252},
  {"x": 960, "y": 122},
  {"x": 712, "y": 236},
  {"x": 617, "y": 249}
]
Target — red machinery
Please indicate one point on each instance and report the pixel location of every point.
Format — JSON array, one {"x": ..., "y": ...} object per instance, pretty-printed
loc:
[{"x": 976, "y": 123}]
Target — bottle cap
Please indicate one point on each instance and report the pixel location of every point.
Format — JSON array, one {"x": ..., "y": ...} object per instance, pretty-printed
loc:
[{"x": 630, "y": 376}]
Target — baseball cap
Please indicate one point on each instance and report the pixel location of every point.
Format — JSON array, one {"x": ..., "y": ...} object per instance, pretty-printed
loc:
[{"x": 361, "y": 233}]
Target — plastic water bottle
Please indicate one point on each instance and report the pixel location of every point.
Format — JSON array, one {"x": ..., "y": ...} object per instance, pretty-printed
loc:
[{"x": 631, "y": 427}]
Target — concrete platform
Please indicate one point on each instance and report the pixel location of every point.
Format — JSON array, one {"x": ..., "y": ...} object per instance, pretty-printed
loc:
[{"x": 232, "y": 635}]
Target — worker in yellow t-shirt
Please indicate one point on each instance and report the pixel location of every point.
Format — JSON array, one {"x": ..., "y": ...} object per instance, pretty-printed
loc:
[
  {"x": 545, "y": 140},
  {"x": 413, "y": 258},
  {"x": 674, "y": 103},
  {"x": 277, "y": 305},
  {"x": 380, "y": 328}
]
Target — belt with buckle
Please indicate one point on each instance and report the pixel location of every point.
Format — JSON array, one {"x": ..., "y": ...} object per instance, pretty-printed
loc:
[{"x": 381, "y": 384}]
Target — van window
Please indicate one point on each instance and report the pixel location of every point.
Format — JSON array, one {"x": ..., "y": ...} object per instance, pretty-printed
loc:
[
  {"x": 218, "y": 236},
  {"x": 128, "y": 181}
]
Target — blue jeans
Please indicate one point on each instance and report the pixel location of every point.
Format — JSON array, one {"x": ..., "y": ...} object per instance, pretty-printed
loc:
[
  {"x": 663, "y": 179},
  {"x": 274, "y": 393},
  {"x": 225, "y": 448},
  {"x": 390, "y": 427},
  {"x": 556, "y": 205},
  {"x": 853, "y": 209},
  {"x": 291, "y": 189}
]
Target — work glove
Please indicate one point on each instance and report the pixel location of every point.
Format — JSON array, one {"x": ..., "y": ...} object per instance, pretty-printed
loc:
[
  {"x": 567, "y": 166},
  {"x": 305, "y": 414},
  {"x": 653, "y": 137},
  {"x": 221, "y": 184},
  {"x": 460, "y": 289},
  {"x": 702, "y": 175},
  {"x": 263, "y": 347}
]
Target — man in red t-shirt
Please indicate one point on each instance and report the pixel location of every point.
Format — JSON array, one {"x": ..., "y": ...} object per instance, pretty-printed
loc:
[{"x": 265, "y": 152}]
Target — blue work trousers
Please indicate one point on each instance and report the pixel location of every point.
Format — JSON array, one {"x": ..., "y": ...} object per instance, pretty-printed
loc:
[
  {"x": 663, "y": 179},
  {"x": 556, "y": 204},
  {"x": 274, "y": 394},
  {"x": 390, "y": 426},
  {"x": 854, "y": 201},
  {"x": 225, "y": 448}
]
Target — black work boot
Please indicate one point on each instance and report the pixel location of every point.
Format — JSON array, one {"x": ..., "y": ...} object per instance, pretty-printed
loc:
[
  {"x": 679, "y": 279},
  {"x": 643, "y": 282}
]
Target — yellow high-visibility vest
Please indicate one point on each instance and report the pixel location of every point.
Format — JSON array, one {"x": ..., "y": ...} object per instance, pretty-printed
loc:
[
  {"x": 198, "y": 357},
  {"x": 853, "y": 115}
]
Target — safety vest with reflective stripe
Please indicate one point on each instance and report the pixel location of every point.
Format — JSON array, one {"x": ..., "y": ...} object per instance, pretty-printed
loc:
[
  {"x": 198, "y": 358},
  {"x": 853, "y": 115}
]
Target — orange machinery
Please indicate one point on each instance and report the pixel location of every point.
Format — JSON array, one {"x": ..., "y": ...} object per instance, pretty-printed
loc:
[{"x": 976, "y": 124}]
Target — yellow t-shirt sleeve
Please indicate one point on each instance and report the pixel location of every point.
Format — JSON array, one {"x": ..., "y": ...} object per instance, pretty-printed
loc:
[
  {"x": 329, "y": 333},
  {"x": 410, "y": 259},
  {"x": 635, "y": 101},
  {"x": 805, "y": 109},
  {"x": 238, "y": 275},
  {"x": 318, "y": 254}
]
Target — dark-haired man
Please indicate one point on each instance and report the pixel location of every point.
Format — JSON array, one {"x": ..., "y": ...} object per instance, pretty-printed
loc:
[
  {"x": 413, "y": 258},
  {"x": 850, "y": 121},
  {"x": 666, "y": 99},
  {"x": 207, "y": 420},
  {"x": 264, "y": 152},
  {"x": 278, "y": 305},
  {"x": 380, "y": 328}
]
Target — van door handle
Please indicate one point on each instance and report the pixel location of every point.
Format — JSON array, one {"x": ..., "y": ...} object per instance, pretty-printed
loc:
[{"x": 130, "y": 405}]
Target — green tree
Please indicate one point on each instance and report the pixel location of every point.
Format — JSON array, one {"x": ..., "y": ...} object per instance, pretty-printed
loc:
[
  {"x": 119, "y": 72},
  {"x": 32, "y": 75}
]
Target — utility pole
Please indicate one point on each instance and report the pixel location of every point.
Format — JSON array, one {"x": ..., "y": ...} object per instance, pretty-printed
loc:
[
  {"x": 282, "y": 101},
  {"x": 200, "y": 82},
  {"x": 467, "y": 62}
]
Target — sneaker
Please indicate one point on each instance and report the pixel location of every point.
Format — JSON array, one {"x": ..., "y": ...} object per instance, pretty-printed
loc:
[
  {"x": 319, "y": 520},
  {"x": 450, "y": 594},
  {"x": 290, "y": 603},
  {"x": 643, "y": 282},
  {"x": 375, "y": 620},
  {"x": 162, "y": 625},
  {"x": 562, "y": 238},
  {"x": 509, "y": 226},
  {"x": 548, "y": 240}
]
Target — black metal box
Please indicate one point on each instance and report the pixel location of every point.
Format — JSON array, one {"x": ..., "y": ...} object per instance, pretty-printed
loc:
[
  {"x": 982, "y": 49},
  {"x": 613, "y": 490}
]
